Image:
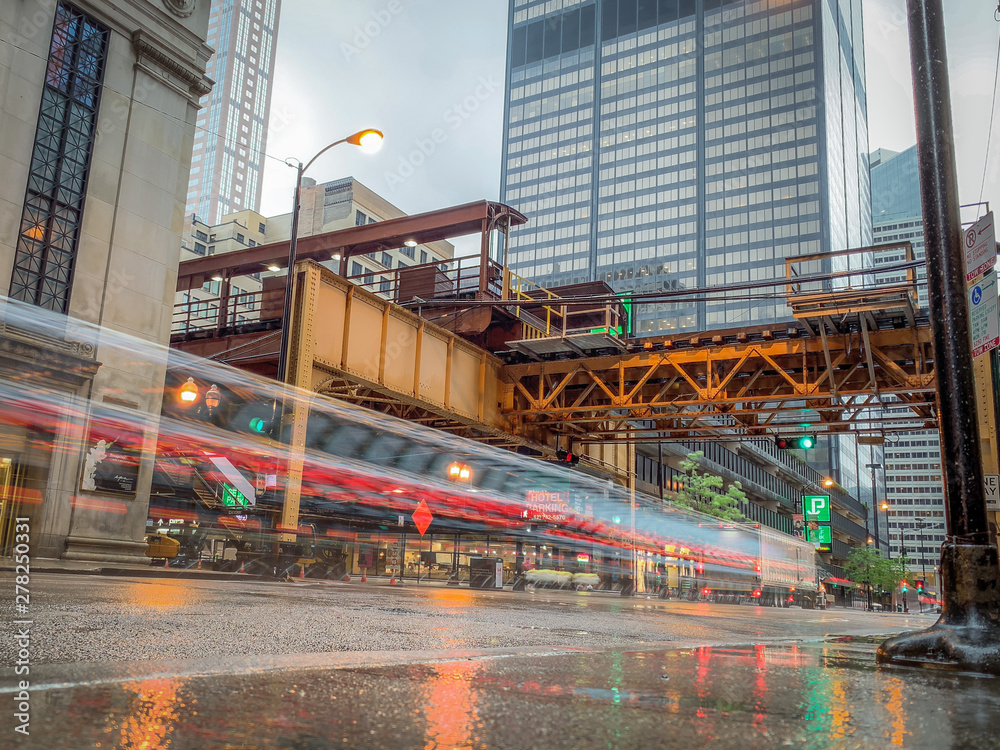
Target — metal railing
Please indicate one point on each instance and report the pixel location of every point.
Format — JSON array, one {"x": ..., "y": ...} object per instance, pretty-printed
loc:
[
  {"x": 458, "y": 278},
  {"x": 215, "y": 313}
]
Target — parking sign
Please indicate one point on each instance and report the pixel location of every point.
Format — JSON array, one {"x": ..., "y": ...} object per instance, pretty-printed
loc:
[{"x": 816, "y": 508}]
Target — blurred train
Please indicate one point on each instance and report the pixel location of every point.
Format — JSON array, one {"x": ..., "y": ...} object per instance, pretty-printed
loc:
[{"x": 223, "y": 467}]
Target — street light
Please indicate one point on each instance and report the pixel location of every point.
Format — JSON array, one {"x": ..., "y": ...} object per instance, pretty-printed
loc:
[
  {"x": 875, "y": 501},
  {"x": 906, "y": 570},
  {"x": 213, "y": 397},
  {"x": 921, "y": 525},
  {"x": 369, "y": 140}
]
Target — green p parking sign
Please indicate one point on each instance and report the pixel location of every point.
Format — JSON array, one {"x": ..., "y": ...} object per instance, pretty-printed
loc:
[{"x": 816, "y": 508}]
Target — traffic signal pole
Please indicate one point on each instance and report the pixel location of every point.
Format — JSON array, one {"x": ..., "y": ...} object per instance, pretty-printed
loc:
[{"x": 967, "y": 635}]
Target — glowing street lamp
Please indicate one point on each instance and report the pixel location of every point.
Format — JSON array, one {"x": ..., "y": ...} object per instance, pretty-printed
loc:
[
  {"x": 369, "y": 140},
  {"x": 189, "y": 392}
]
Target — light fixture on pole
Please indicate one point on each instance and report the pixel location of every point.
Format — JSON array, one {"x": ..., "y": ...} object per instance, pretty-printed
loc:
[
  {"x": 369, "y": 140},
  {"x": 213, "y": 397},
  {"x": 189, "y": 392}
]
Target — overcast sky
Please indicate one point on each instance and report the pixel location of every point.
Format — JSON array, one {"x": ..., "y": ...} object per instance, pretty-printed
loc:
[{"x": 430, "y": 73}]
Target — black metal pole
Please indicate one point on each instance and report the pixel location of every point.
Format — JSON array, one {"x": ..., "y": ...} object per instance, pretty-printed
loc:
[
  {"x": 967, "y": 635},
  {"x": 878, "y": 545},
  {"x": 659, "y": 470},
  {"x": 286, "y": 319},
  {"x": 946, "y": 285}
]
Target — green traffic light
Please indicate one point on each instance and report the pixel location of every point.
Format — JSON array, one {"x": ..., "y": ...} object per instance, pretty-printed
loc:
[
  {"x": 806, "y": 443},
  {"x": 258, "y": 425}
]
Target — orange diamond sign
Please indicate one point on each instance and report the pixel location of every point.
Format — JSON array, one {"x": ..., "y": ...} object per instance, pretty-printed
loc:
[{"x": 422, "y": 517}]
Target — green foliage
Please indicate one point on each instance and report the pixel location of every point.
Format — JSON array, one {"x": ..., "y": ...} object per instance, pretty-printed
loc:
[
  {"x": 867, "y": 566},
  {"x": 702, "y": 492}
]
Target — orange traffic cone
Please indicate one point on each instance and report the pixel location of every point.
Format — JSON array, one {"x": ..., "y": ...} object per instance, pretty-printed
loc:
[
  {"x": 199, "y": 563},
  {"x": 392, "y": 578},
  {"x": 364, "y": 575},
  {"x": 302, "y": 571},
  {"x": 166, "y": 563},
  {"x": 241, "y": 568},
  {"x": 347, "y": 577}
]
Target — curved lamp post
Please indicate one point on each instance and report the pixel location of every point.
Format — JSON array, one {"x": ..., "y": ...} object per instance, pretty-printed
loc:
[{"x": 369, "y": 140}]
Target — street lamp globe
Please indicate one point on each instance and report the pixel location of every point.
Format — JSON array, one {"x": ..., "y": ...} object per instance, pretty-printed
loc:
[
  {"x": 370, "y": 140},
  {"x": 189, "y": 391}
]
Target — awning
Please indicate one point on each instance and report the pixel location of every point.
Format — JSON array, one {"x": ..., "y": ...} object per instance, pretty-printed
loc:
[{"x": 235, "y": 478}]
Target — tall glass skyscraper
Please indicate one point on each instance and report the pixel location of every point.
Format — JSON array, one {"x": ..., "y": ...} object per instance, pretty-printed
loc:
[
  {"x": 232, "y": 126},
  {"x": 670, "y": 144},
  {"x": 914, "y": 480}
]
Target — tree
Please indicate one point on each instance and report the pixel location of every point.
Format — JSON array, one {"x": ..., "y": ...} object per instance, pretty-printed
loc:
[
  {"x": 701, "y": 492},
  {"x": 867, "y": 566}
]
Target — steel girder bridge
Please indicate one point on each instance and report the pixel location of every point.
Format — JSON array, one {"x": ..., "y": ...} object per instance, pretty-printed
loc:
[{"x": 855, "y": 358}]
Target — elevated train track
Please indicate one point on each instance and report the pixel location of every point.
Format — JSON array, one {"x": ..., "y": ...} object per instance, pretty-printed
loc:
[{"x": 852, "y": 348}]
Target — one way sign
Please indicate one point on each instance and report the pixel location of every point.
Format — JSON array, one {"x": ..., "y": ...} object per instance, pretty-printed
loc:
[{"x": 992, "y": 487}]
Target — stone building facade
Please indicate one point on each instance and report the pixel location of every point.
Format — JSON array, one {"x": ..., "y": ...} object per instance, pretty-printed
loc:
[{"x": 98, "y": 108}]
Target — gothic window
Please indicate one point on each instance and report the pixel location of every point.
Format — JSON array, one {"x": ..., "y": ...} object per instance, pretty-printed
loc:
[{"x": 60, "y": 161}]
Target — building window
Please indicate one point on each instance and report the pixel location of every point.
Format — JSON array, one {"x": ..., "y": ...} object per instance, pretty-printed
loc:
[
  {"x": 199, "y": 248},
  {"x": 423, "y": 256},
  {"x": 356, "y": 269},
  {"x": 240, "y": 238},
  {"x": 261, "y": 229},
  {"x": 409, "y": 252},
  {"x": 251, "y": 243},
  {"x": 211, "y": 249},
  {"x": 201, "y": 235},
  {"x": 387, "y": 260},
  {"x": 60, "y": 161},
  {"x": 361, "y": 219}
]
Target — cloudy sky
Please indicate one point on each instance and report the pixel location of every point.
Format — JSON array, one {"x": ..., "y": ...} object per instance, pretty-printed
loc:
[{"x": 430, "y": 73}]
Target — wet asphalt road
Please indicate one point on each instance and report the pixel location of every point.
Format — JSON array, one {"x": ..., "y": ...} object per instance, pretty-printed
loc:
[
  {"x": 157, "y": 664},
  {"x": 95, "y": 618}
]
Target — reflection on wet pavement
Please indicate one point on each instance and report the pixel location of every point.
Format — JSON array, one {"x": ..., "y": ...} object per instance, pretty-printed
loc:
[{"x": 807, "y": 696}]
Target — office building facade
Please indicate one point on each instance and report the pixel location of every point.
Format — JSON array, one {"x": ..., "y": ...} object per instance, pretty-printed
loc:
[
  {"x": 228, "y": 161},
  {"x": 914, "y": 482},
  {"x": 674, "y": 144}
]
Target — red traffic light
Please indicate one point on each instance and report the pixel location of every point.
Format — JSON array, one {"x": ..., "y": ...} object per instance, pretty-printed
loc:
[{"x": 566, "y": 457}]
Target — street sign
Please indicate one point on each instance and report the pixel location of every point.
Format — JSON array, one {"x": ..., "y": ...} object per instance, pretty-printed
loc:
[
  {"x": 992, "y": 486},
  {"x": 816, "y": 507},
  {"x": 984, "y": 315},
  {"x": 422, "y": 517},
  {"x": 980, "y": 247},
  {"x": 820, "y": 534}
]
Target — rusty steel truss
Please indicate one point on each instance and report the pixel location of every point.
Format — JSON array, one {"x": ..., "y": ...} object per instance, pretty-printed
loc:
[{"x": 856, "y": 349}]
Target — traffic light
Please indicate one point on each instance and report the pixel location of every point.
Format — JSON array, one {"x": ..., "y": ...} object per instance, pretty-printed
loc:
[
  {"x": 260, "y": 426},
  {"x": 566, "y": 457},
  {"x": 902, "y": 586},
  {"x": 919, "y": 586},
  {"x": 256, "y": 418},
  {"x": 801, "y": 442}
]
